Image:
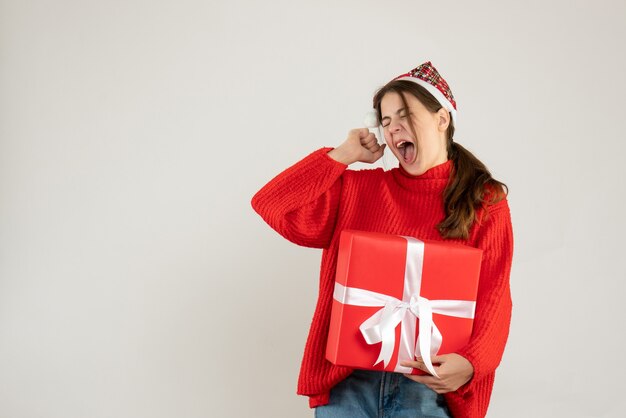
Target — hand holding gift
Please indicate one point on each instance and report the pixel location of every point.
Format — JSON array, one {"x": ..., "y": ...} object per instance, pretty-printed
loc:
[{"x": 454, "y": 371}]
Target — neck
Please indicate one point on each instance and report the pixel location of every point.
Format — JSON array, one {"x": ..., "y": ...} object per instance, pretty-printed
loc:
[{"x": 434, "y": 179}]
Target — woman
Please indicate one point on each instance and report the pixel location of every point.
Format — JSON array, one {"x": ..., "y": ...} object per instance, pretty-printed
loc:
[{"x": 439, "y": 191}]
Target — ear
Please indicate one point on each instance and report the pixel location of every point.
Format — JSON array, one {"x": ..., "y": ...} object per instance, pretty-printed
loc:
[{"x": 443, "y": 119}]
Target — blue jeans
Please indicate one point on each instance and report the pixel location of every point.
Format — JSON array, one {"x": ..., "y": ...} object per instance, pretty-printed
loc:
[{"x": 375, "y": 394}]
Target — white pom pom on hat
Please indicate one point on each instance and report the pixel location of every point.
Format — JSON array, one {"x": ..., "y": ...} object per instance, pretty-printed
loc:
[
  {"x": 371, "y": 119},
  {"x": 427, "y": 76}
]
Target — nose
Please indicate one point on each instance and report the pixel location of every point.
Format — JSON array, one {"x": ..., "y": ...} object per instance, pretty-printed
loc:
[
  {"x": 391, "y": 130},
  {"x": 394, "y": 126}
]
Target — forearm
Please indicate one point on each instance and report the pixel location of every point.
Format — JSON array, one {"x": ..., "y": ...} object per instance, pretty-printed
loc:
[
  {"x": 301, "y": 202},
  {"x": 493, "y": 304},
  {"x": 486, "y": 347}
]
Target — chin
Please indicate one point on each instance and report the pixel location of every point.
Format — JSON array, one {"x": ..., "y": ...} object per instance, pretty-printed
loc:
[{"x": 415, "y": 168}]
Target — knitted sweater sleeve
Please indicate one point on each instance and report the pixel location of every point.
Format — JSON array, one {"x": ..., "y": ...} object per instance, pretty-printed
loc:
[
  {"x": 302, "y": 202},
  {"x": 493, "y": 303}
]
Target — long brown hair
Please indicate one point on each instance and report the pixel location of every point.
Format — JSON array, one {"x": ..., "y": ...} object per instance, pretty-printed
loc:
[{"x": 470, "y": 186}]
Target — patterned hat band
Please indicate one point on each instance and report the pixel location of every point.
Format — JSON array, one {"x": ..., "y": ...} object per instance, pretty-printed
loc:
[{"x": 428, "y": 77}]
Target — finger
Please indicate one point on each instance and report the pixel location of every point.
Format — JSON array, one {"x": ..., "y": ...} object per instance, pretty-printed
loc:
[
  {"x": 375, "y": 155},
  {"x": 431, "y": 382},
  {"x": 434, "y": 360},
  {"x": 439, "y": 359},
  {"x": 409, "y": 363},
  {"x": 361, "y": 132},
  {"x": 369, "y": 139},
  {"x": 419, "y": 364},
  {"x": 371, "y": 157},
  {"x": 416, "y": 364},
  {"x": 427, "y": 380},
  {"x": 373, "y": 147}
]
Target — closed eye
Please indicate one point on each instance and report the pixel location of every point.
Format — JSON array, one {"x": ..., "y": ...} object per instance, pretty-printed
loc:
[
  {"x": 403, "y": 116},
  {"x": 402, "y": 113}
]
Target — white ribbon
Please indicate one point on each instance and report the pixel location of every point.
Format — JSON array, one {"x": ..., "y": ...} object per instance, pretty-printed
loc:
[{"x": 381, "y": 327}]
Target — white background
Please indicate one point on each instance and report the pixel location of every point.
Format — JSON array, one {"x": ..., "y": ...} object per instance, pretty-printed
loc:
[{"x": 135, "y": 278}]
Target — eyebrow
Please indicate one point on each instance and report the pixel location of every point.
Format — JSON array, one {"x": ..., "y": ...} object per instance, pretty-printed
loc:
[{"x": 397, "y": 113}]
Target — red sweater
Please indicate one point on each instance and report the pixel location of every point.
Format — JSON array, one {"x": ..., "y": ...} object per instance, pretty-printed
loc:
[{"x": 311, "y": 202}]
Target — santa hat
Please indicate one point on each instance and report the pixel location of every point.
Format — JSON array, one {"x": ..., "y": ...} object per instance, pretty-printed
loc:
[{"x": 428, "y": 77}]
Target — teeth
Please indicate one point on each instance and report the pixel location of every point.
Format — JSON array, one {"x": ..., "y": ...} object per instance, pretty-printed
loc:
[{"x": 402, "y": 144}]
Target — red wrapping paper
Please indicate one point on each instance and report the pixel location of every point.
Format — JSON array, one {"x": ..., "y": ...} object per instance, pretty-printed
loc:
[{"x": 377, "y": 262}]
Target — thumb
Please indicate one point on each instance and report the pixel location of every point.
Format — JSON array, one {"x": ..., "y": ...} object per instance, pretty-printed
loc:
[
  {"x": 439, "y": 359},
  {"x": 362, "y": 132}
]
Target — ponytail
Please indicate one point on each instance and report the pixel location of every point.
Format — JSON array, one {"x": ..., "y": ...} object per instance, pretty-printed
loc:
[{"x": 471, "y": 187}]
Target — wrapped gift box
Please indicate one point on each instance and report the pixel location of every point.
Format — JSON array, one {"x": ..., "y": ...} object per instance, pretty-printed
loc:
[{"x": 397, "y": 297}]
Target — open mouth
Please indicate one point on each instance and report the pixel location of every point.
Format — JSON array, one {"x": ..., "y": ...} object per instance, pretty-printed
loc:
[{"x": 406, "y": 150}]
